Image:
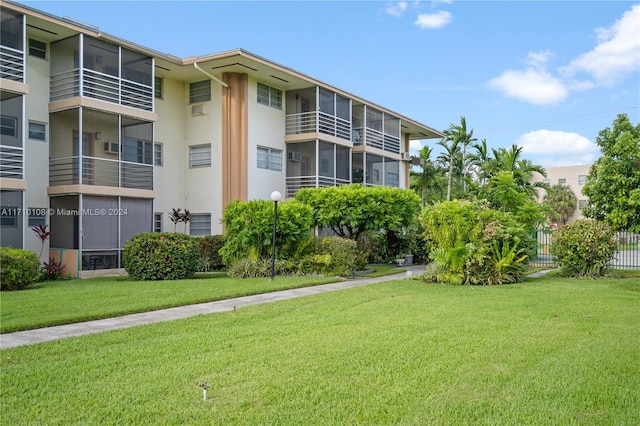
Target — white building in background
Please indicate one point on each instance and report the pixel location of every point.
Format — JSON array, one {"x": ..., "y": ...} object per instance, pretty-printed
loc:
[
  {"x": 572, "y": 176},
  {"x": 100, "y": 137}
]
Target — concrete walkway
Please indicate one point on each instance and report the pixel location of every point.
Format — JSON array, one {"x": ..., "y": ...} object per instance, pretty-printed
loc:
[{"x": 30, "y": 337}]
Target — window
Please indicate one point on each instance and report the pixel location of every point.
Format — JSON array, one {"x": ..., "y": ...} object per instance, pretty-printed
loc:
[
  {"x": 8, "y": 217},
  {"x": 269, "y": 158},
  {"x": 582, "y": 204},
  {"x": 269, "y": 96},
  {"x": 157, "y": 222},
  {"x": 200, "y": 224},
  {"x": 582, "y": 179},
  {"x": 547, "y": 181},
  {"x": 200, "y": 156},
  {"x": 137, "y": 151},
  {"x": 562, "y": 181},
  {"x": 158, "y": 87},
  {"x": 200, "y": 92},
  {"x": 37, "y": 216},
  {"x": 157, "y": 154},
  {"x": 8, "y": 126},
  {"x": 37, "y": 131},
  {"x": 37, "y": 49}
]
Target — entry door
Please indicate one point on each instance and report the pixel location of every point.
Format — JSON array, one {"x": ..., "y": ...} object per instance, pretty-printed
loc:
[{"x": 87, "y": 163}]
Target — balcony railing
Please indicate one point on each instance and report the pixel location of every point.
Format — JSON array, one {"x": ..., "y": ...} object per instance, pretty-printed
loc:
[
  {"x": 101, "y": 86},
  {"x": 11, "y": 162},
  {"x": 314, "y": 121},
  {"x": 377, "y": 139},
  {"x": 295, "y": 183},
  {"x": 11, "y": 64},
  {"x": 100, "y": 171}
]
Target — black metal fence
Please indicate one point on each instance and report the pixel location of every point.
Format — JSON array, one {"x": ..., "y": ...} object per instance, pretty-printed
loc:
[{"x": 627, "y": 257}]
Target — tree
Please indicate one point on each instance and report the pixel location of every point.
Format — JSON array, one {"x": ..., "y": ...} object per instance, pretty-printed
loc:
[
  {"x": 613, "y": 182},
  {"x": 562, "y": 200},
  {"x": 351, "y": 210},
  {"x": 428, "y": 180},
  {"x": 448, "y": 158}
]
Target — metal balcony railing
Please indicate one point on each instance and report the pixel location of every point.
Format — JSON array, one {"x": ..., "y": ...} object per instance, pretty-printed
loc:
[
  {"x": 377, "y": 139},
  {"x": 11, "y": 162},
  {"x": 314, "y": 121},
  {"x": 101, "y": 86},
  {"x": 295, "y": 183},
  {"x": 100, "y": 171},
  {"x": 11, "y": 64}
]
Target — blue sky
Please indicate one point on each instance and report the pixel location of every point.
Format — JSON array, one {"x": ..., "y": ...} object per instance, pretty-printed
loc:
[{"x": 545, "y": 75}]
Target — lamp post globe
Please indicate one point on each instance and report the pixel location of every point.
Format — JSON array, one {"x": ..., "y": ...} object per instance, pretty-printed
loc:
[{"x": 276, "y": 196}]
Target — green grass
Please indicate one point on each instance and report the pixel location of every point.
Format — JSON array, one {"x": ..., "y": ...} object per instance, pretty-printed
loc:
[
  {"x": 545, "y": 352},
  {"x": 64, "y": 302}
]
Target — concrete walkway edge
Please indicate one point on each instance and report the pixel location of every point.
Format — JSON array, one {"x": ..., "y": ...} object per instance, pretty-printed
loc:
[{"x": 29, "y": 337}]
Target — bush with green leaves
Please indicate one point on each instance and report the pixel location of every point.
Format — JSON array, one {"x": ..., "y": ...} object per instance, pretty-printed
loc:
[
  {"x": 18, "y": 268},
  {"x": 474, "y": 244},
  {"x": 259, "y": 268},
  {"x": 583, "y": 247},
  {"x": 154, "y": 256},
  {"x": 331, "y": 256},
  {"x": 249, "y": 230},
  {"x": 210, "y": 257}
]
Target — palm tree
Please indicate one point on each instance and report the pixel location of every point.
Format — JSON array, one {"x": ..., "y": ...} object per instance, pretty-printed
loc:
[
  {"x": 451, "y": 146},
  {"x": 510, "y": 160},
  {"x": 481, "y": 161},
  {"x": 562, "y": 200},
  {"x": 428, "y": 179}
]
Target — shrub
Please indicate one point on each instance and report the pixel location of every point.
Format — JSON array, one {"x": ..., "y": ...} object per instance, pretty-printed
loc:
[
  {"x": 256, "y": 268},
  {"x": 474, "y": 244},
  {"x": 333, "y": 256},
  {"x": 52, "y": 270},
  {"x": 161, "y": 256},
  {"x": 249, "y": 229},
  {"x": 18, "y": 268},
  {"x": 583, "y": 247},
  {"x": 210, "y": 257}
]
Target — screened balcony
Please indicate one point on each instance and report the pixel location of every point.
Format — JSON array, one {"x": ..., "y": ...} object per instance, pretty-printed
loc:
[
  {"x": 374, "y": 170},
  {"x": 113, "y": 151},
  {"x": 12, "y": 46},
  {"x": 108, "y": 73},
  {"x": 316, "y": 164},
  {"x": 316, "y": 110},
  {"x": 376, "y": 129},
  {"x": 11, "y": 137}
]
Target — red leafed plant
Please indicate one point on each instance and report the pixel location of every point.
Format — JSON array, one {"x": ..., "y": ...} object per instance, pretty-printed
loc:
[{"x": 43, "y": 234}]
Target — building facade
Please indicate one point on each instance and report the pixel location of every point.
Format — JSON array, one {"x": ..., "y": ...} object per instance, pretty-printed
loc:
[
  {"x": 101, "y": 138},
  {"x": 572, "y": 176}
]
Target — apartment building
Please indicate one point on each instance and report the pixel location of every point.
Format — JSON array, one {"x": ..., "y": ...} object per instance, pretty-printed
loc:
[
  {"x": 573, "y": 176},
  {"x": 101, "y": 137}
]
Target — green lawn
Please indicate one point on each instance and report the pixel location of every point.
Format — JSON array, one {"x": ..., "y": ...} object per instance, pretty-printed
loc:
[
  {"x": 64, "y": 302},
  {"x": 545, "y": 352}
]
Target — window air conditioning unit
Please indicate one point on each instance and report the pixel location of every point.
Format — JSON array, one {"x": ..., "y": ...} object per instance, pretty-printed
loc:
[
  {"x": 111, "y": 147},
  {"x": 197, "y": 110},
  {"x": 406, "y": 156},
  {"x": 295, "y": 156}
]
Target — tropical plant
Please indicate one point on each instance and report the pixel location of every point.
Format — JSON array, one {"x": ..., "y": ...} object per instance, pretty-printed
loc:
[
  {"x": 52, "y": 270},
  {"x": 43, "y": 235},
  {"x": 450, "y": 156}
]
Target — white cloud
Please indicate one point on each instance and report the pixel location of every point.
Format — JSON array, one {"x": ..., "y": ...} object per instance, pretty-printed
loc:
[
  {"x": 398, "y": 9},
  {"x": 617, "y": 53},
  {"x": 433, "y": 20},
  {"x": 535, "y": 86},
  {"x": 415, "y": 146},
  {"x": 553, "y": 148},
  {"x": 539, "y": 59}
]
